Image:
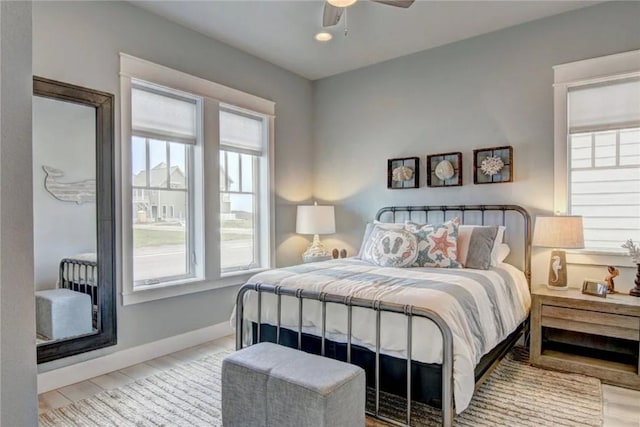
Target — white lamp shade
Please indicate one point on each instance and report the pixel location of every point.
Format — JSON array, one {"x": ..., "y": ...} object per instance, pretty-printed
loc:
[
  {"x": 561, "y": 232},
  {"x": 341, "y": 3},
  {"x": 315, "y": 220}
]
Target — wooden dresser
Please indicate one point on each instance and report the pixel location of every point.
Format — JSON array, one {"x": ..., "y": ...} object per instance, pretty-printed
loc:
[{"x": 599, "y": 337}]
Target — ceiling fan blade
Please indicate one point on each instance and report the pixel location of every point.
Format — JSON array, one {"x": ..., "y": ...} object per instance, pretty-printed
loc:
[
  {"x": 398, "y": 3},
  {"x": 331, "y": 15}
]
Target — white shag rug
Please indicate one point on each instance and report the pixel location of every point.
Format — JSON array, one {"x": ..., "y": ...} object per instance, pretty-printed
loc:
[{"x": 516, "y": 394}]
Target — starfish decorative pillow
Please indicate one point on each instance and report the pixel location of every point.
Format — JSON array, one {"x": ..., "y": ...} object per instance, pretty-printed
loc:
[{"x": 437, "y": 243}]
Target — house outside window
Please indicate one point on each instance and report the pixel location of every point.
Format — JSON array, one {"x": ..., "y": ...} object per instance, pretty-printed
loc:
[
  {"x": 197, "y": 211},
  {"x": 597, "y": 134},
  {"x": 164, "y": 130}
]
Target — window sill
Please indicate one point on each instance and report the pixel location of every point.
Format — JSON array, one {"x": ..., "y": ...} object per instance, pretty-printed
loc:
[
  {"x": 595, "y": 257},
  {"x": 247, "y": 273},
  {"x": 148, "y": 293}
]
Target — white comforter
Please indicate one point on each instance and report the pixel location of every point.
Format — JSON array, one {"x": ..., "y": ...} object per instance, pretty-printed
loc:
[{"x": 480, "y": 307}]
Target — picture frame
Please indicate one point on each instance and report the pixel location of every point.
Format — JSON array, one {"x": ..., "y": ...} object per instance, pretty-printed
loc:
[
  {"x": 595, "y": 288},
  {"x": 455, "y": 161},
  {"x": 393, "y": 165},
  {"x": 482, "y": 166}
]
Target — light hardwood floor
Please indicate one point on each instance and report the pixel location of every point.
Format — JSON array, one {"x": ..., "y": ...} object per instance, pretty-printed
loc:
[{"x": 621, "y": 406}]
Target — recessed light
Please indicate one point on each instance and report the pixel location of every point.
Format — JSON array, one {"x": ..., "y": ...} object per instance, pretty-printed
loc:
[
  {"x": 341, "y": 3},
  {"x": 323, "y": 36}
]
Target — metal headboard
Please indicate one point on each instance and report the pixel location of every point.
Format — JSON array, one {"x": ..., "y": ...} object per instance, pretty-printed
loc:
[{"x": 466, "y": 211}]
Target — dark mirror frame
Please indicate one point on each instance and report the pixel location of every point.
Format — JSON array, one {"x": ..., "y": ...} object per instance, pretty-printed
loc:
[{"x": 105, "y": 207}]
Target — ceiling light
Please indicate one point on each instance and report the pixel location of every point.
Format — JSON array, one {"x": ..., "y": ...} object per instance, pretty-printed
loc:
[
  {"x": 323, "y": 36},
  {"x": 341, "y": 3}
]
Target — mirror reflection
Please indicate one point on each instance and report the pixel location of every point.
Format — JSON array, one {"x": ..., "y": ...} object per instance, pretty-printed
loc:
[{"x": 65, "y": 226}]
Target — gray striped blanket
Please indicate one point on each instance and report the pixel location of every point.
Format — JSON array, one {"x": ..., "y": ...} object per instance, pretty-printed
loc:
[{"x": 481, "y": 308}]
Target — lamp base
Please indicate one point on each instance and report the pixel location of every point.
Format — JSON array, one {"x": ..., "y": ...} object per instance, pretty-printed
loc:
[
  {"x": 315, "y": 249},
  {"x": 635, "y": 292},
  {"x": 557, "y": 271}
]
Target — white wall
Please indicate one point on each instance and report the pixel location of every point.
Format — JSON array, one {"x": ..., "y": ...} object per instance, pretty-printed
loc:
[
  {"x": 79, "y": 42},
  {"x": 64, "y": 137},
  {"x": 491, "y": 90},
  {"x": 18, "y": 403}
]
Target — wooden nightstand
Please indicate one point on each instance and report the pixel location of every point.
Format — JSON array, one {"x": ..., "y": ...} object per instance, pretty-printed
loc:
[{"x": 594, "y": 336}]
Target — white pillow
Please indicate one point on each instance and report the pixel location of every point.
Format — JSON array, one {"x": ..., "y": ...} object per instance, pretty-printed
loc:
[
  {"x": 369, "y": 228},
  {"x": 500, "y": 253},
  {"x": 390, "y": 248}
]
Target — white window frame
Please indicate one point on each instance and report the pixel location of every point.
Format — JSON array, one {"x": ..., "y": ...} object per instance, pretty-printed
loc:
[
  {"x": 194, "y": 244},
  {"x": 213, "y": 95},
  {"x": 566, "y": 76},
  {"x": 259, "y": 189}
]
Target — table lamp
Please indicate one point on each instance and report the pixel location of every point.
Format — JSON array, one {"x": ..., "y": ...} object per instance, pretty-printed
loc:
[
  {"x": 558, "y": 232},
  {"x": 315, "y": 220}
]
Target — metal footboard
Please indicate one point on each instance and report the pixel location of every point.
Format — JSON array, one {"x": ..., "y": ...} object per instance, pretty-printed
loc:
[
  {"x": 80, "y": 276},
  {"x": 379, "y": 306}
]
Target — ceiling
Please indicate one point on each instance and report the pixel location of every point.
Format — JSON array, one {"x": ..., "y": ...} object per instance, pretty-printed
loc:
[{"x": 282, "y": 32}]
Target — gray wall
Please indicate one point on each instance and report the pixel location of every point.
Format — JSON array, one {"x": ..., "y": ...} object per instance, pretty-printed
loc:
[
  {"x": 79, "y": 42},
  {"x": 64, "y": 137},
  {"x": 18, "y": 403},
  {"x": 491, "y": 90}
]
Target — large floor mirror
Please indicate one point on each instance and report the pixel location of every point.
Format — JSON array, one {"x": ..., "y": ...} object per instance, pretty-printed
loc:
[{"x": 73, "y": 207}]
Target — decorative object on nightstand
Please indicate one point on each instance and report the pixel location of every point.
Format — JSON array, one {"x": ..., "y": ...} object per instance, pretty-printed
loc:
[
  {"x": 558, "y": 232},
  {"x": 316, "y": 220},
  {"x": 634, "y": 253},
  {"x": 335, "y": 253},
  {"x": 613, "y": 273},
  {"x": 403, "y": 173},
  {"x": 592, "y": 287}
]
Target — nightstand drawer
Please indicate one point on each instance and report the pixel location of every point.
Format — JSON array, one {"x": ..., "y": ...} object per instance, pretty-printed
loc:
[{"x": 591, "y": 322}]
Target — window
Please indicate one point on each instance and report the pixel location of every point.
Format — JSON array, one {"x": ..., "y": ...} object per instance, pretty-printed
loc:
[
  {"x": 242, "y": 142},
  {"x": 197, "y": 201},
  {"x": 598, "y": 127},
  {"x": 164, "y": 131}
]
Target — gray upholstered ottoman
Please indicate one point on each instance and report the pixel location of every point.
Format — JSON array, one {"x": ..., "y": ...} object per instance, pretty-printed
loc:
[
  {"x": 272, "y": 385},
  {"x": 62, "y": 313}
]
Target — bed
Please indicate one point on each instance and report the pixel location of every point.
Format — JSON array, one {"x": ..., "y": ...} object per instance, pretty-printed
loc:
[
  {"x": 80, "y": 273},
  {"x": 429, "y": 334}
]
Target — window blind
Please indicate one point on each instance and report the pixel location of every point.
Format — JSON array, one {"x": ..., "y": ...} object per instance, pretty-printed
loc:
[
  {"x": 163, "y": 116},
  {"x": 604, "y": 185},
  {"x": 615, "y": 105},
  {"x": 240, "y": 131}
]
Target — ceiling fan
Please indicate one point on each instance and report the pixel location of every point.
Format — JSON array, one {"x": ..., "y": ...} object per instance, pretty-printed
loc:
[{"x": 333, "y": 9}]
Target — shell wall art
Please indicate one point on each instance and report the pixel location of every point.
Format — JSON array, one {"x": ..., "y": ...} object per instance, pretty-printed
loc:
[
  {"x": 403, "y": 173},
  {"x": 493, "y": 165},
  {"x": 444, "y": 170}
]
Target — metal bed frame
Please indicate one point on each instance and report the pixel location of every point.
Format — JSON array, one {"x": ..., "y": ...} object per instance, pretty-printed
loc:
[
  {"x": 81, "y": 276},
  {"x": 379, "y": 306}
]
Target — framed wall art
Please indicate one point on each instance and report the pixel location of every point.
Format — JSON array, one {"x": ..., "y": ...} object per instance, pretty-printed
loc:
[
  {"x": 403, "y": 173},
  {"x": 493, "y": 165},
  {"x": 444, "y": 170}
]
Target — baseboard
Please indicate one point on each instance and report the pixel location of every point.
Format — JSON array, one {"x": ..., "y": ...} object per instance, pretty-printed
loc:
[{"x": 82, "y": 371}]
